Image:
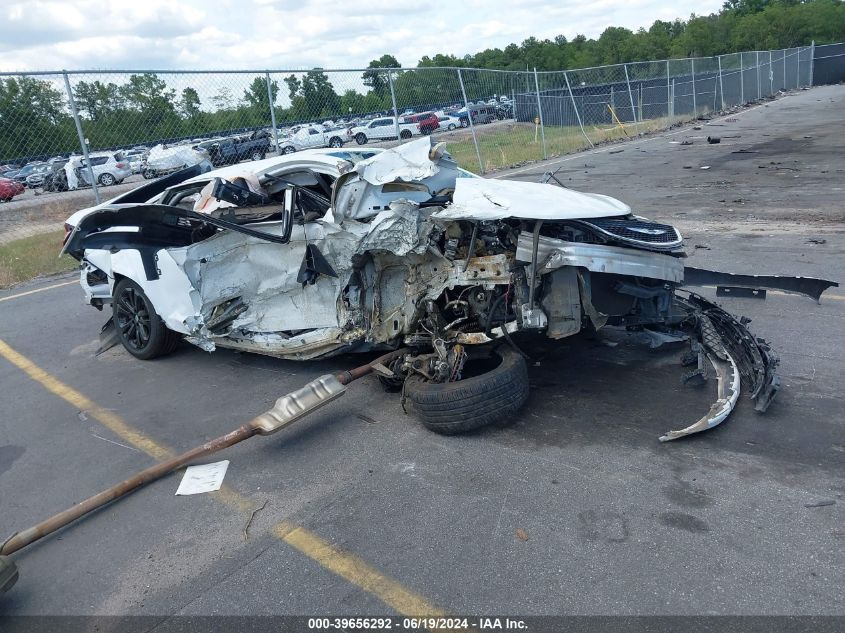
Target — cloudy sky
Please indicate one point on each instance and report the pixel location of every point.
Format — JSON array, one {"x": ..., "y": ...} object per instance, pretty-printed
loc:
[{"x": 287, "y": 34}]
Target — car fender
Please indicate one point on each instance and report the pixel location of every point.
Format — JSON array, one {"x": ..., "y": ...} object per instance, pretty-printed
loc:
[{"x": 172, "y": 295}]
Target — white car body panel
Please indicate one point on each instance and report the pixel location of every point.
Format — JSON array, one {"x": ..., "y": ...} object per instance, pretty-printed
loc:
[
  {"x": 488, "y": 199},
  {"x": 366, "y": 220}
]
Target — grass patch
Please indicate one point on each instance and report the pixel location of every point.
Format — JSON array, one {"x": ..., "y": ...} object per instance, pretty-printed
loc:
[
  {"x": 32, "y": 256},
  {"x": 517, "y": 143}
]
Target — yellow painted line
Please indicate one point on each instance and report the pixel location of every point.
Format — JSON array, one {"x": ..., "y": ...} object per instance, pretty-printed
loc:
[
  {"x": 32, "y": 292},
  {"x": 356, "y": 571},
  {"x": 347, "y": 566},
  {"x": 107, "y": 418}
]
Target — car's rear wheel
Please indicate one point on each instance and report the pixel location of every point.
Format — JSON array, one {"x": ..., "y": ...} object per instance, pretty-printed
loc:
[
  {"x": 140, "y": 329},
  {"x": 464, "y": 123},
  {"x": 406, "y": 134},
  {"x": 360, "y": 138},
  {"x": 257, "y": 155},
  {"x": 451, "y": 126},
  {"x": 106, "y": 179},
  {"x": 288, "y": 150},
  {"x": 491, "y": 391}
]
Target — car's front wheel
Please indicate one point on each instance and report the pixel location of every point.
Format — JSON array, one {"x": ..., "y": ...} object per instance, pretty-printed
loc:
[
  {"x": 335, "y": 142},
  {"x": 360, "y": 138},
  {"x": 140, "y": 329},
  {"x": 257, "y": 155},
  {"x": 490, "y": 391},
  {"x": 106, "y": 179},
  {"x": 288, "y": 150},
  {"x": 451, "y": 126}
]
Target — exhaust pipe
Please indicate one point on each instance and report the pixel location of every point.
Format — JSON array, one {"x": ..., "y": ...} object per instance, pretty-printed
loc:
[{"x": 287, "y": 410}]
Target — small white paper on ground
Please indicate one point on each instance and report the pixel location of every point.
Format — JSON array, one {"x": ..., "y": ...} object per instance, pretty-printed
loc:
[{"x": 203, "y": 478}]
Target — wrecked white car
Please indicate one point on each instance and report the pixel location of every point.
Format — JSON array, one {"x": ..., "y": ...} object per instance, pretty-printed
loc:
[{"x": 326, "y": 252}]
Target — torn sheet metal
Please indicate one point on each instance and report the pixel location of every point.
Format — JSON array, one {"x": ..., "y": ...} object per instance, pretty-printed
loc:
[
  {"x": 807, "y": 286},
  {"x": 407, "y": 162},
  {"x": 490, "y": 199}
]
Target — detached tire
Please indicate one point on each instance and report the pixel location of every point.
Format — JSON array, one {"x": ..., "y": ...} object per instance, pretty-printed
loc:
[
  {"x": 474, "y": 402},
  {"x": 140, "y": 330}
]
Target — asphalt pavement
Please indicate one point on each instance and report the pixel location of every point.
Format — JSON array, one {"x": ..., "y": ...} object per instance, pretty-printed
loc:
[{"x": 575, "y": 508}]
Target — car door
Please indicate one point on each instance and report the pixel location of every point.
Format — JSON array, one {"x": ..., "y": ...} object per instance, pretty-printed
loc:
[
  {"x": 383, "y": 128},
  {"x": 272, "y": 279}
]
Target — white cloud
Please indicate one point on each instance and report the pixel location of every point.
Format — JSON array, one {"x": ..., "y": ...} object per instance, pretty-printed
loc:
[{"x": 229, "y": 34}]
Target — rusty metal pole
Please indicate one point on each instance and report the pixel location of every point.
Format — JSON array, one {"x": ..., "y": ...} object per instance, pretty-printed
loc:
[{"x": 287, "y": 410}]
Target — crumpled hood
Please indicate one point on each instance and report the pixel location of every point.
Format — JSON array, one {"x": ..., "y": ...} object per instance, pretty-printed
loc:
[{"x": 487, "y": 199}]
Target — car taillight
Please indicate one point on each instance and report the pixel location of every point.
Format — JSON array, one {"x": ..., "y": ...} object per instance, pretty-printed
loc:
[
  {"x": 68, "y": 231},
  {"x": 121, "y": 165}
]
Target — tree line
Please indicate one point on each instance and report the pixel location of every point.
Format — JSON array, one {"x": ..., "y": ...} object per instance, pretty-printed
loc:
[{"x": 35, "y": 118}]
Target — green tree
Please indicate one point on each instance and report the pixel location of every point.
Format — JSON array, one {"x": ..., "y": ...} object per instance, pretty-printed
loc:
[
  {"x": 224, "y": 99},
  {"x": 189, "y": 104},
  {"x": 255, "y": 96},
  {"x": 378, "y": 80},
  {"x": 33, "y": 119},
  {"x": 96, "y": 99}
]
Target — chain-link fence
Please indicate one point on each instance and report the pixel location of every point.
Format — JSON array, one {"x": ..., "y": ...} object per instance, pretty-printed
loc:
[{"x": 68, "y": 130}]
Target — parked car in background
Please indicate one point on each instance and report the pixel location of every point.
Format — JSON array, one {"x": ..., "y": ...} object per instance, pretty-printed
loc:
[
  {"x": 110, "y": 168},
  {"x": 312, "y": 137},
  {"x": 504, "y": 110},
  {"x": 234, "y": 149},
  {"x": 36, "y": 177},
  {"x": 26, "y": 170},
  {"x": 56, "y": 178},
  {"x": 381, "y": 129},
  {"x": 426, "y": 122},
  {"x": 9, "y": 189},
  {"x": 136, "y": 161},
  {"x": 448, "y": 122}
]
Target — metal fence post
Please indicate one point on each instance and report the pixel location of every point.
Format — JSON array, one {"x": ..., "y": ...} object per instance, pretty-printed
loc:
[
  {"x": 272, "y": 102},
  {"x": 721, "y": 85},
  {"x": 631, "y": 97},
  {"x": 395, "y": 109},
  {"x": 812, "y": 59},
  {"x": 575, "y": 107},
  {"x": 757, "y": 57},
  {"x": 540, "y": 113},
  {"x": 694, "y": 105},
  {"x": 783, "y": 61},
  {"x": 771, "y": 76},
  {"x": 668, "y": 93},
  {"x": 673, "y": 97},
  {"x": 82, "y": 142},
  {"x": 469, "y": 116},
  {"x": 798, "y": 68},
  {"x": 741, "y": 80}
]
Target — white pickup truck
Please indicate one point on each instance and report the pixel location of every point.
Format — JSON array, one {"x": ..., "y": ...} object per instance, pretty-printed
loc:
[
  {"x": 311, "y": 137},
  {"x": 381, "y": 129}
]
